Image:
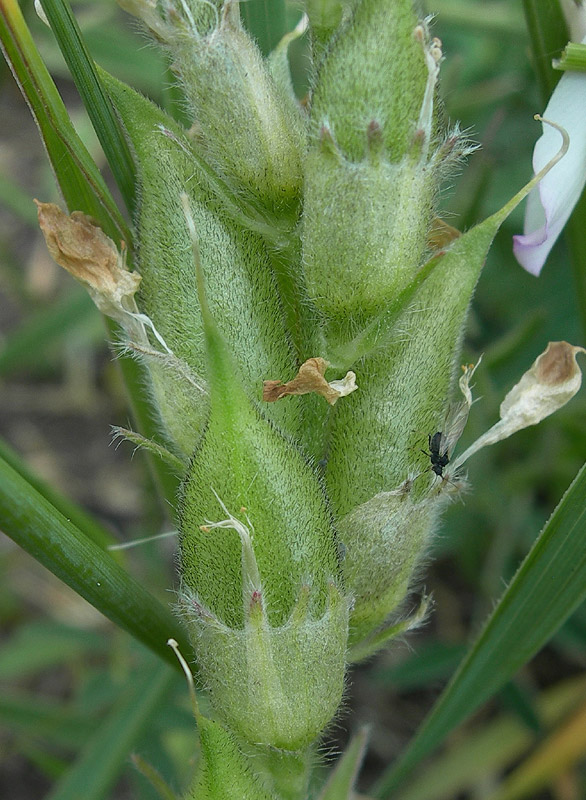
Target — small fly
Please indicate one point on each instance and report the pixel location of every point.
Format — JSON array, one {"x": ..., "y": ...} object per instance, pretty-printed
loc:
[
  {"x": 438, "y": 452},
  {"x": 441, "y": 444}
]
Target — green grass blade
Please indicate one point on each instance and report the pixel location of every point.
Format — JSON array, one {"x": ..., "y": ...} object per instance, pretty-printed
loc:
[
  {"x": 489, "y": 750},
  {"x": 506, "y": 19},
  {"x": 548, "y": 587},
  {"x": 107, "y": 752},
  {"x": 40, "y": 646},
  {"x": 38, "y": 717},
  {"x": 266, "y": 21},
  {"x": 79, "y": 179},
  {"x": 340, "y": 784},
  {"x": 71, "y": 511},
  {"x": 28, "y": 344},
  {"x": 94, "y": 96},
  {"x": 548, "y": 34},
  {"x": 40, "y": 529},
  {"x": 13, "y": 197}
]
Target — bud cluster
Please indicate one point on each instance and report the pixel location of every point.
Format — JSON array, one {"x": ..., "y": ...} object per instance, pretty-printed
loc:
[{"x": 299, "y": 312}]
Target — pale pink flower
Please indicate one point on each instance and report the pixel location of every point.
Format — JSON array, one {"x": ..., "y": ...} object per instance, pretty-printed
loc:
[{"x": 550, "y": 204}]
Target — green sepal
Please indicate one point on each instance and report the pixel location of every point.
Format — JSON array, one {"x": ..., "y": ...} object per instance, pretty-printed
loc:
[
  {"x": 365, "y": 228},
  {"x": 279, "y": 69},
  {"x": 286, "y": 773},
  {"x": 384, "y": 540},
  {"x": 224, "y": 772},
  {"x": 242, "y": 291},
  {"x": 381, "y": 637},
  {"x": 375, "y": 70},
  {"x": 275, "y": 686},
  {"x": 245, "y": 470}
]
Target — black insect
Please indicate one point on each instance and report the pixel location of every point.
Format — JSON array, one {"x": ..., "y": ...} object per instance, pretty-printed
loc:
[{"x": 438, "y": 452}]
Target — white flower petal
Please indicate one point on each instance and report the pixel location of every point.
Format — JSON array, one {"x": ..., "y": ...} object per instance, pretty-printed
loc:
[{"x": 552, "y": 202}]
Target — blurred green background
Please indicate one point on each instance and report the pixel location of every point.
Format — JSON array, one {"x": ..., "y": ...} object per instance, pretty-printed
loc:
[{"x": 63, "y": 668}]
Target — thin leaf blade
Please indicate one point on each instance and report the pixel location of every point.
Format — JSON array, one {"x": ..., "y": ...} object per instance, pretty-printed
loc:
[
  {"x": 94, "y": 96},
  {"x": 40, "y": 529},
  {"x": 79, "y": 179},
  {"x": 548, "y": 587},
  {"x": 106, "y": 753},
  {"x": 266, "y": 21}
]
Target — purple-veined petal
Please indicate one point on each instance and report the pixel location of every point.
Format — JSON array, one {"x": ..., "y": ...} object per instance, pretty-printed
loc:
[{"x": 551, "y": 203}]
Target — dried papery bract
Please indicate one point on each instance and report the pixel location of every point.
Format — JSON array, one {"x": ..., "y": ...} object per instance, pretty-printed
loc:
[
  {"x": 310, "y": 378},
  {"x": 552, "y": 381},
  {"x": 81, "y": 247}
]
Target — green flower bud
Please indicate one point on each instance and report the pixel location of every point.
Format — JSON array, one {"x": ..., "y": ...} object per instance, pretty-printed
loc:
[
  {"x": 260, "y": 583},
  {"x": 246, "y": 129},
  {"x": 245, "y": 463},
  {"x": 379, "y": 479},
  {"x": 373, "y": 171},
  {"x": 365, "y": 225},
  {"x": 375, "y": 70},
  {"x": 274, "y": 685},
  {"x": 384, "y": 540}
]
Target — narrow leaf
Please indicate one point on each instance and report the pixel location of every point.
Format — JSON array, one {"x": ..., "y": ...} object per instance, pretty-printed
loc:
[
  {"x": 39, "y": 646},
  {"x": 14, "y": 197},
  {"x": 548, "y": 33},
  {"x": 95, "y": 98},
  {"x": 79, "y": 179},
  {"x": 28, "y": 343},
  {"x": 106, "y": 753},
  {"x": 76, "y": 515},
  {"x": 558, "y": 753},
  {"x": 39, "y": 717},
  {"x": 548, "y": 587},
  {"x": 340, "y": 784},
  {"x": 487, "y": 751},
  {"x": 28, "y": 518}
]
